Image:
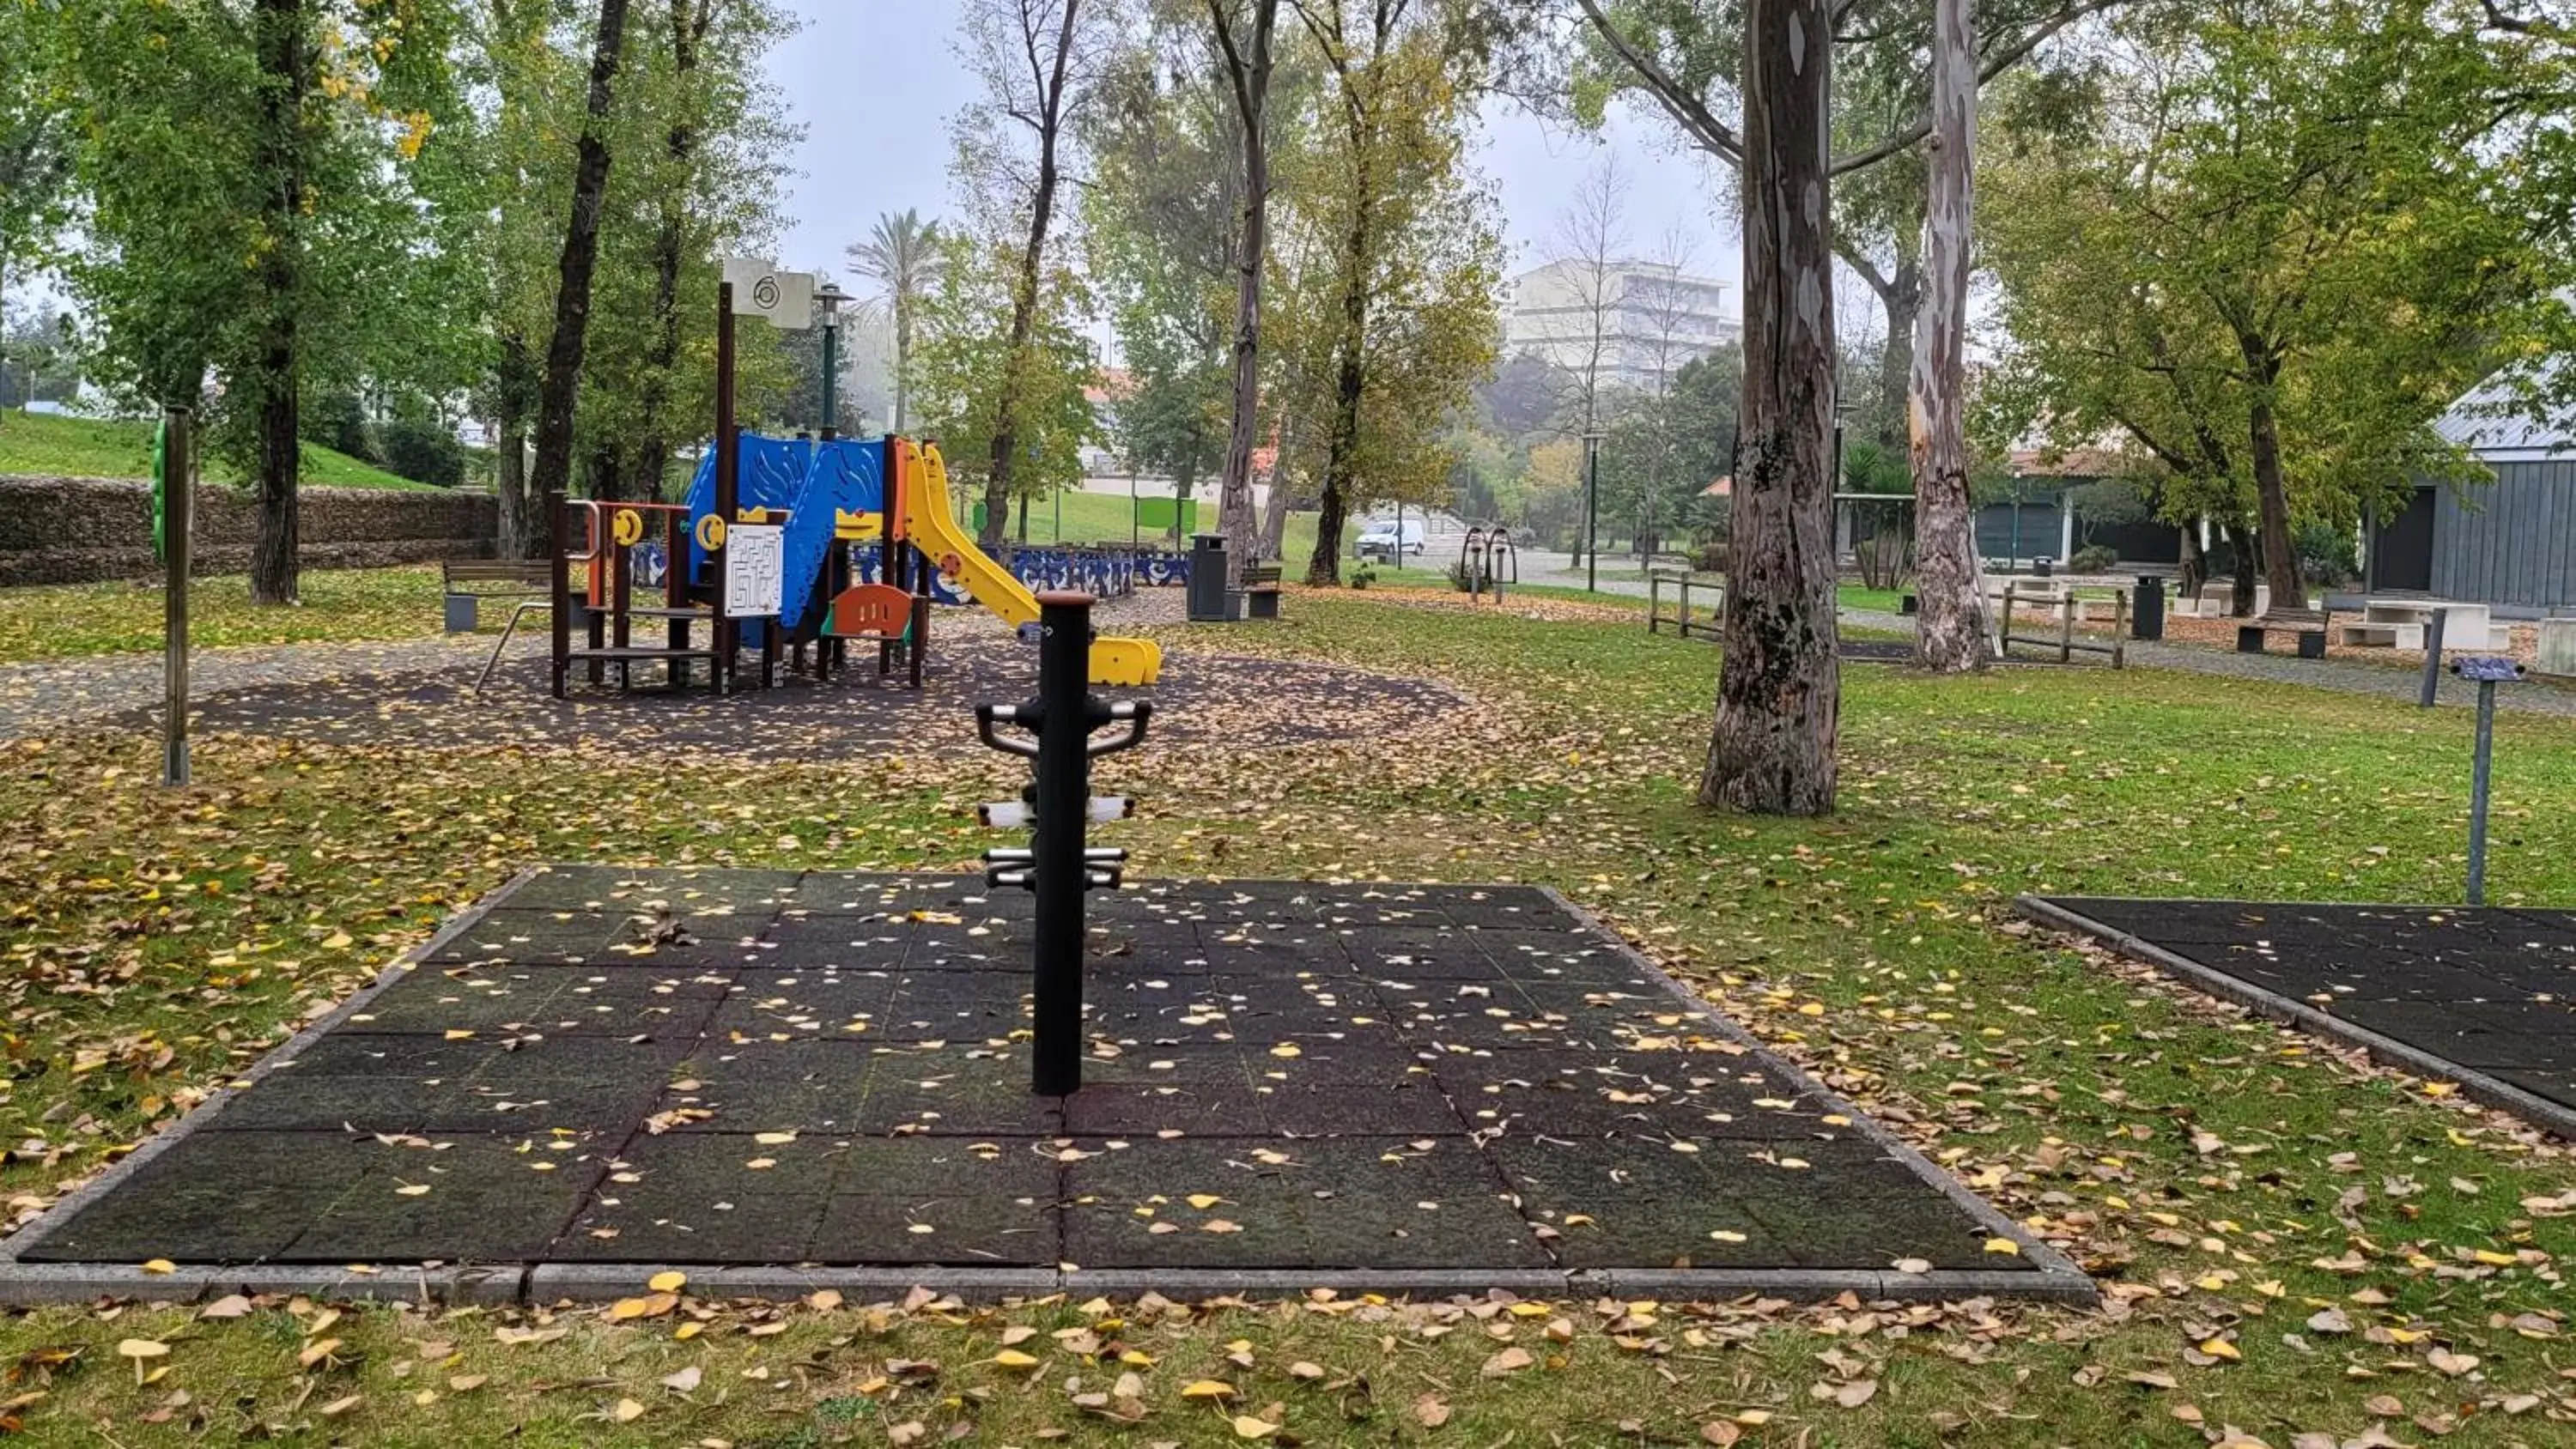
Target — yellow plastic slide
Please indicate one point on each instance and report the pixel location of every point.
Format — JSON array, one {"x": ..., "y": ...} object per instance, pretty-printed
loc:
[{"x": 1131, "y": 662}]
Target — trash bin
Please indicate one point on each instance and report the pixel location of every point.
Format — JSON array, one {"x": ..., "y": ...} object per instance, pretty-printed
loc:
[
  {"x": 2147, "y": 609},
  {"x": 464, "y": 613},
  {"x": 1208, "y": 603},
  {"x": 2042, "y": 566}
]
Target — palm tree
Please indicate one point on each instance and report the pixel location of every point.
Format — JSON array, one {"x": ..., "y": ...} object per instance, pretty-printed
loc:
[{"x": 902, "y": 257}]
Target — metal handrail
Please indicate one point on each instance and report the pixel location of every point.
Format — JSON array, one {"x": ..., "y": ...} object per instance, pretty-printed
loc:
[{"x": 511, "y": 628}]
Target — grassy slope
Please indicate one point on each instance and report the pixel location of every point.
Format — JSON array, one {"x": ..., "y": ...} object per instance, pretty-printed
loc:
[
  {"x": 1109, "y": 518},
  {"x": 2227, "y": 1180},
  {"x": 116, "y": 448}
]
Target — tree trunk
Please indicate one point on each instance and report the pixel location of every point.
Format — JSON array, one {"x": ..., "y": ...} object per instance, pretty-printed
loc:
[
  {"x": 2194, "y": 567},
  {"x": 1024, "y": 298},
  {"x": 1903, "y": 304},
  {"x": 1779, "y": 690},
  {"x": 1251, "y": 81},
  {"x": 282, "y": 54},
  {"x": 560, "y": 388},
  {"x": 1950, "y": 637},
  {"x": 1274, "y": 509},
  {"x": 2240, "y": 600},
  {"x": 1325, "y": 565},
  {"x": 606, "y": 474},
  {"x": 524, "y": 526},
  {"x": 653, "y": 443},
  {"x": 2280, "y": 549}
]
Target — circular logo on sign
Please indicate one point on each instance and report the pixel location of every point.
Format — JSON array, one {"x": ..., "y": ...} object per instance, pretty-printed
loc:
[
  {"x": 711, "y": 532},
  {"x": 764, "y": 294},
  {"x": 627, "y": 527}
]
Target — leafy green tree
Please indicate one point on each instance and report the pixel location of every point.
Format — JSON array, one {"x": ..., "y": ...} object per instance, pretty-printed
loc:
[
  {"x": 1414, "y": 246},
  {"x": 257, "y": 179},
  {"x": 972, "y": 382},
  {"x": 35, "y": 143},
  {"x": 1038, "y": 62},
  {"x": 2286, "y": 237},
  {"x": 1162, "y": 218}
]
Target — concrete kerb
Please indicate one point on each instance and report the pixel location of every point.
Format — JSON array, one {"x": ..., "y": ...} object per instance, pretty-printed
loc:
[{"x": 2388, "y": 1051}]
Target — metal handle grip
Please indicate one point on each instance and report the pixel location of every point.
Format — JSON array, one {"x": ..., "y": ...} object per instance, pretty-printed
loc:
[{"x": 990, "y": 716}]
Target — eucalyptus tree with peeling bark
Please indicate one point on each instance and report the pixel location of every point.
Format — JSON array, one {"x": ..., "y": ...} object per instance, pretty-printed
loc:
[
  {"x": 1950, "y": 635},
  {"x": 1779, "y": 693},
  {"x": 1772, "y": 745}
]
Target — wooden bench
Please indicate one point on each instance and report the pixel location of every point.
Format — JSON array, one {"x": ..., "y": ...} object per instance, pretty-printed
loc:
[
  {"x": 467, "y": 582},
  {"x": 1261, "y": 590},
  {"x": 2309, "y": 625}
]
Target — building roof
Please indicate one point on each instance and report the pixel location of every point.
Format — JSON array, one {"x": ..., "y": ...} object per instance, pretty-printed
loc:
[
  {"x": 2494, "y": 424},
  {"x": 1722, "y": 488}
]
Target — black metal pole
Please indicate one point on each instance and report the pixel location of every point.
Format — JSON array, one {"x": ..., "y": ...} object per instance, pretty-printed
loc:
[
  {"x": 1063, "y": 807},
  {"x": 178, "y": 495},
  {"x": 728, "y": 634},
  {"x": 2433, "y": 658},
  {"x": 1592, "y": 514},
  {"x": 2479, "y": 770}
]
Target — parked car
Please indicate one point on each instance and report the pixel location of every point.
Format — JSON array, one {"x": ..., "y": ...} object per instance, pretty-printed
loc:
[{"x": 1380, "y": 539}]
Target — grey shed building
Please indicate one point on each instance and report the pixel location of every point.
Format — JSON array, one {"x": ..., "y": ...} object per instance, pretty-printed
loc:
[{"x": 2510, "y": 544}]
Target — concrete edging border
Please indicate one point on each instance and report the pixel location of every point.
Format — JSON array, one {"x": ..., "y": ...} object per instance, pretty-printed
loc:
[{"x": 2388, "y": 1051}]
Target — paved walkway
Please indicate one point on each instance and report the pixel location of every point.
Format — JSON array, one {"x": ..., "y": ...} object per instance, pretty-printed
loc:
[{"x": 49, "y": 694}]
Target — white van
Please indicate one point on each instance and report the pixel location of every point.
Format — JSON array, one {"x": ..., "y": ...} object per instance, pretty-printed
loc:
[{"x": 1379, "y": 538}]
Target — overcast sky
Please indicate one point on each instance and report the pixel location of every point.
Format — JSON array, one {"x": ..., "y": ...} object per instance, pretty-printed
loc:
[{"x": 875, "y": 81}]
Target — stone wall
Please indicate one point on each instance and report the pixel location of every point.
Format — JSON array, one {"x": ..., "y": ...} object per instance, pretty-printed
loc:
[{"x": 77, "y": 530}]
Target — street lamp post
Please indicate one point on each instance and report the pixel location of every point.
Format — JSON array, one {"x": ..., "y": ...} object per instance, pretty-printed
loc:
[
  {"x": 831, "y": 297},
  {"x": 1592, "y": 437}
]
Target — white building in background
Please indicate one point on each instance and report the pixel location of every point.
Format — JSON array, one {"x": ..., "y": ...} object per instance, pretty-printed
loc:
[{"x": 1650, "y": 318}]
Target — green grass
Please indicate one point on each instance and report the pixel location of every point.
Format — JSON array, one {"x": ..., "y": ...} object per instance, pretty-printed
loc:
[
  {"x": 2224, "y": 1179},
  {"x": 1109, "y": 518},
  {"x": 122, "y": 448},
  {"x": 125, "y": 616}
]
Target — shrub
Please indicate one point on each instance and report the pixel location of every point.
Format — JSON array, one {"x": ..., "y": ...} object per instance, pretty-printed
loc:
[
  {"x": 424, "y": 452},
  {"x": 1363, "y": 576},
  {"x": 2093, "y": 558},
  {"x": 2328, "y": 556}
]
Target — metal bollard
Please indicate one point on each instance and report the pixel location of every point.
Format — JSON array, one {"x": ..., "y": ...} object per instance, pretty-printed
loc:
[
  {"x": 2488, "y": 672},
  {"x": 1058, "y": 865}
]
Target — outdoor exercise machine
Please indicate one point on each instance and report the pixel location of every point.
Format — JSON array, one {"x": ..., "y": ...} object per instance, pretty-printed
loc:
[
  {"x": 1483, "y": 556},
  {"x": 2065, "y": 642},
  {"x": 1057, "y": 864}
]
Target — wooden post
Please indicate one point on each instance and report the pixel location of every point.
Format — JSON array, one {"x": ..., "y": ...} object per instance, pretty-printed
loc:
[
  {"x": 2120, "y": 630},
  {"x": 2066, "y": 628},
  {"x": 728, "y": 641},
  {"x": 178, "y": 495},
  {"x": 559, "y": 517},
  {"x": 675, "y": 589}
]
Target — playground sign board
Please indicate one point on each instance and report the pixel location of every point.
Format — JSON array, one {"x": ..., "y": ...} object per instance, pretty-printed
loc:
[
  {"x": 760, "y": 289},
  {"x": 755, "y": 579}
]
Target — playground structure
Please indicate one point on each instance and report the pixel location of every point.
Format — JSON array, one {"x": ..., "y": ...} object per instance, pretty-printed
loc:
[{"x": 761, "y": 552}]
